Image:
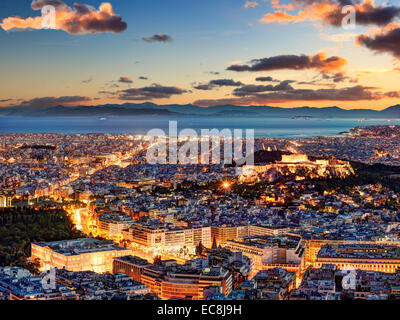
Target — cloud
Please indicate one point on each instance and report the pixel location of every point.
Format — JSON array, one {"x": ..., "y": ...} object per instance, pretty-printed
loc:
[
  {"x": 225, "y": 83},
  {"x": 54, "y": 101},
  {"x": 366, "y": 14},
  {"x": 143, "y": 78},
  {"x": 251, "y": 89},
  {"x": 88, "y": 80},
  {"x": 219, "y": 83},
  {"x": 307, "y": 11},
  {"x": 338, "y": 77},
  {"x": 320, "y": 62},
  {"x": 112, "y": 93},
  {"x": 160, "y": 37},
  {"x": 39, "y": 4},
  {"x": 125, "y": 80},
  {"x": 266, "y": 79},
  {"x": 250, "y": 4},
  {"x": 330, "y": 12},
  {"x": 356, "y": 93},
  {"x": 155, "y": 91},
  {"x": 388, "y": 41},
  {"x": 6, "y": 100},
  {"x": 317, "y": 83},
  {"x": 80, "y": 19},
  {"x": 203, "y": 87}
]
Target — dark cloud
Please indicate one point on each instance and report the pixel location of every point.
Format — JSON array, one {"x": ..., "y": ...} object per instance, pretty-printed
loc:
[
  {"x": 107, "y": 92},
  {"x": 266, "y": 79},
  {"x": 219, "y": 83},
  {"x": 160, "y": 37},
  {"x": 225, "y": 83},
  {"x": 54, "y": 101},
  {"x": 319, "y": 61},
  {"x": 204, "y": 87},
  {"x": 317, "y": 83},
  {"x": 83, "y": 8},
  {"x": 39, "y": 4},
  {"x": 355, "y": 93},
  {"x": 143, "y": 78},
  {"x": 155, "y": 91},
  {"x": 338, "y": 77},
  {"x": 254, "y": 89},
  {"x": 366, "y": 14},
  {"x": 387, "y": 42},
  {"x": 88, "y": 80}
]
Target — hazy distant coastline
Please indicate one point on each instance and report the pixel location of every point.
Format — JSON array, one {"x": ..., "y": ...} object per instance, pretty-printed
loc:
[{"x": 151, "y": 109}]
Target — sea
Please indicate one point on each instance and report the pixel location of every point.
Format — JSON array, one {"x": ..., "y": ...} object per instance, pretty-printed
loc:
[{"x": 263, "y": 126}]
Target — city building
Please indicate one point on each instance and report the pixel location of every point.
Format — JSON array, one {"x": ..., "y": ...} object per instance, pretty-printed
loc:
[
  {"x": 77, "y": 255},
  {"x": 5, "y": 201},
  {"x": 170, "y": 280},
  {"x": 266, "y": 252},
  {"x": 111, "y": 225},
  {"x": 159, "y": 236},
  {"x": 19, "y": 284},
  {"x": 373, "y": 257},
  {"x": 274, "y": 284}
]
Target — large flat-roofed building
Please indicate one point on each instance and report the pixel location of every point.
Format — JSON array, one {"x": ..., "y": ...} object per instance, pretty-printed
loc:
[
  {"x": 187, "y": 283},
  {"x": 168, "y": 237},
  {"x": 132, "y": 266},
  {"x": 112, "y": 224},
  {"x": 78, "y": 255},
  {"x": 171, "y": 280},
  {"x": 91, "y": 285},
  {"x": 267, "y": 230},
  {"x": 315, "y": 245},
  {"x": 223, "y": 234},
  {"x": 373, "y": 257},
  {"x": 285, "y": 251}
]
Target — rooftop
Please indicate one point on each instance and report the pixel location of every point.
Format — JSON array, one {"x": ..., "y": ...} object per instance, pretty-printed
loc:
[{"x": 80, "y": 246}]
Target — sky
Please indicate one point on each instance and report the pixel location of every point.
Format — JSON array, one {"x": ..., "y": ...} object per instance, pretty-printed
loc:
[{"x": 286, "y": 53}]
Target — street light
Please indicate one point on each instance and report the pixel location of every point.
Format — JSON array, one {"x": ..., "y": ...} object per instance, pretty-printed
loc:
[{"x": 226, "y": 185}]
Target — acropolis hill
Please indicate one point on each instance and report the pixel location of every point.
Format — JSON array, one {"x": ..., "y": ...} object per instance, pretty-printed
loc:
[{"x": 273, "y": 165}]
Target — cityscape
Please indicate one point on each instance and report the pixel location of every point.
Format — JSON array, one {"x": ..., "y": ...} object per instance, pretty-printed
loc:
[
  {"x": 292, "y": 228},
  {"x": 180, "y": 166}
]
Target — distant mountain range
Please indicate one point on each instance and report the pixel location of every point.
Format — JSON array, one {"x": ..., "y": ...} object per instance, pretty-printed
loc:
[{"x": 151, "y": 109}]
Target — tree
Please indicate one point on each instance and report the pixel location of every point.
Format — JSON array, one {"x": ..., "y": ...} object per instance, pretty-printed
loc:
[
  {"x": 19, "y": 227},
  {"x": 157, "y": 260},
  {"x": 214, "y": 244},
  {"x": 199, "y": 249}
]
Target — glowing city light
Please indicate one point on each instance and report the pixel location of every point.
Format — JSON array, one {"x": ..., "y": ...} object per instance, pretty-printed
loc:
[{"x": 226, "y": 185}]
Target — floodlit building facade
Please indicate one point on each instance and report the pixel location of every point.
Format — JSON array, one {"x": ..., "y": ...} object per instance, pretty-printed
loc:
[
  {"x": 77, "y": 255},
  {"x": 372, "y": 257}
]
